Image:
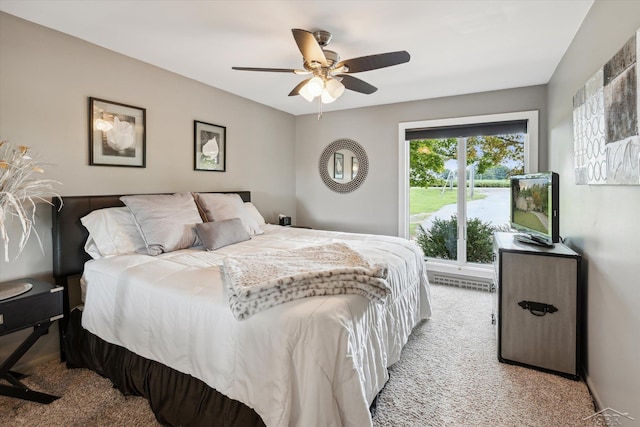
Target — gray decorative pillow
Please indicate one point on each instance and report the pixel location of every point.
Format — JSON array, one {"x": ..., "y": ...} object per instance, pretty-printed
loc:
[
  {"x": 215, "y": 235},
  {"x": 166, "y": 221}
]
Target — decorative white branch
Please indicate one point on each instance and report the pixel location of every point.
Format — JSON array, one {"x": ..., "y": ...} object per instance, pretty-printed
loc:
[{"x": 19, "y": 193}]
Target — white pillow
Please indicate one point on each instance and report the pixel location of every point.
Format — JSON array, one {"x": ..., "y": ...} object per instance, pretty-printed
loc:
[
  {"x": 221, "y": 206},
  {"x": 112, "y": 231},
  {"x": 255, "y": 214},
  {"x": 91, "y": 248},
  {"x": 167, "y": 222}
]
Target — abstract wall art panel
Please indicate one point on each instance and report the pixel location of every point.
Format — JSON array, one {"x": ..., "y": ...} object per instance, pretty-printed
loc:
[{"x": 606, "y": 129}]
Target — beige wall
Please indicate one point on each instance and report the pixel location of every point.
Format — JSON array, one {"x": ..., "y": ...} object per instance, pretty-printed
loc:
[
  {"x": 46, "y": 78},
  {"x": 601, "y": 222},
  {"x": 373, "y": 208}
]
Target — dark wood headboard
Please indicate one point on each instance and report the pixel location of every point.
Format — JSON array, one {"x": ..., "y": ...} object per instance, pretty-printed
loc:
[{"x": 69, "y": 235}]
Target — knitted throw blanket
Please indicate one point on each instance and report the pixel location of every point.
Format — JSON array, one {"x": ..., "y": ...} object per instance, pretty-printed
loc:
[{"x": 257, "y": 282}]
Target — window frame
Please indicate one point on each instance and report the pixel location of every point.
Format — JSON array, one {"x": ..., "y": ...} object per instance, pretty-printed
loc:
[{"x": 530, "y": 166}]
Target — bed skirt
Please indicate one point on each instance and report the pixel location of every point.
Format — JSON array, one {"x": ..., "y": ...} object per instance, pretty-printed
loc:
[{"x": 176, "y": 399}]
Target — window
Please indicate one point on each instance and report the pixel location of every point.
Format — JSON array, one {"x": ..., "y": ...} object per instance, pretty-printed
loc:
[{"x": 469, "y": 145}]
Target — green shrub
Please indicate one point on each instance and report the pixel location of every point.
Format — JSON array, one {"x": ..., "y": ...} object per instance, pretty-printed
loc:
[
  {"x": 478, "y": 183},
  {"x": 492, "y": 183},
  {"x": 440, "y": 241},
  {"x": 435, "y": 183}
]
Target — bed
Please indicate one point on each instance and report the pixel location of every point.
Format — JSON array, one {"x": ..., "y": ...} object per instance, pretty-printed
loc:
[{"x": 162, "y": 327}]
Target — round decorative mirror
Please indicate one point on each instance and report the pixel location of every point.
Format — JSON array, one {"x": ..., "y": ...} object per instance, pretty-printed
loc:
[{"x": 343, "y": 165}]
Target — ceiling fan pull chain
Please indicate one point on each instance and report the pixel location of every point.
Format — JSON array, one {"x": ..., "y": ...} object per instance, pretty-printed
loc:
[{"x": 320, "y": 108}]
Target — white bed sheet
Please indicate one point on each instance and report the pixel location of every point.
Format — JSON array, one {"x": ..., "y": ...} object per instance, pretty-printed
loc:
[{"x": 315, "y": 361}]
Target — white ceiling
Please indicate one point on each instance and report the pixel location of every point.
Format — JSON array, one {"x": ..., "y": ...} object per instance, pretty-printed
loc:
[{"x": 456, "y": 46}]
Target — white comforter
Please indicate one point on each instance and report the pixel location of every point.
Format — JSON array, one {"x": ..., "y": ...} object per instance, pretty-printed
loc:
[{"x": 317, "y": 361}]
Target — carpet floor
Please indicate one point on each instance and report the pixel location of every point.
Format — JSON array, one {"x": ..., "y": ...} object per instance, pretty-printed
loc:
[{"x": 448, "y": 375}]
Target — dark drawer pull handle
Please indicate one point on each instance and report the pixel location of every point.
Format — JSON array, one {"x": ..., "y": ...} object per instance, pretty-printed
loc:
[{"x": 537, "y": 308}]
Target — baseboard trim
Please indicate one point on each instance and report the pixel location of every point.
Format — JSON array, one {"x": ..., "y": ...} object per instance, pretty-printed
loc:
[
  {"x": 28, "y": 366},
  {"x": 597, "y": 403}
]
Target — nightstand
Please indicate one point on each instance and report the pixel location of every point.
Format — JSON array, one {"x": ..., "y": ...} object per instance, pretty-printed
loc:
[{"x": 37, "y": 308}]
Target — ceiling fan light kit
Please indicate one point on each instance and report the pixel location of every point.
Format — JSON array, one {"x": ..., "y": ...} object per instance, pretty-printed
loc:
[
  {"x": 314, "y": 86},
  {"x": 330, "y": 75},
  {"x": 305, "y": 92},
  {"x": 333, "y": 89}
]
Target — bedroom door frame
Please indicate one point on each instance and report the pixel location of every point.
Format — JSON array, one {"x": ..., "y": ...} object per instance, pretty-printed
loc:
[{"x": 460, "y": 266}]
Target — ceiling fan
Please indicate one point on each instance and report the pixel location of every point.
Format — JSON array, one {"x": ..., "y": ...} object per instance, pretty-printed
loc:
[{"x": 330, "y": 76}]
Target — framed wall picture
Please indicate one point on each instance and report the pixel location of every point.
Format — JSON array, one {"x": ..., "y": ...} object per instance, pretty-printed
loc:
[
  {"x": 210, "y": 147},
  {"x": 338, "y": 165},
  {"x": 117, "y": 134}
]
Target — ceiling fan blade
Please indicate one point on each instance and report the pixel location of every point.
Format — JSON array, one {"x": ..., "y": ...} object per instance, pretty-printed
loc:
[
  {"x": 272, "y": 70},
  {"x": 373, "y": 62},
  {"x": 296, "y": 90},
  {"x": 309, "y": 47},
  {"x": 357, "y": 85}
]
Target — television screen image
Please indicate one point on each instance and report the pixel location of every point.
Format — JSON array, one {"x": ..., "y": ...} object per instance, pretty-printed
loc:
[{"x": 534, "y": 205}]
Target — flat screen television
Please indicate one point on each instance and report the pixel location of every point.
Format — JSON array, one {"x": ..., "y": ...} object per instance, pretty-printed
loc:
[{"x": 535, "y": 201}]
